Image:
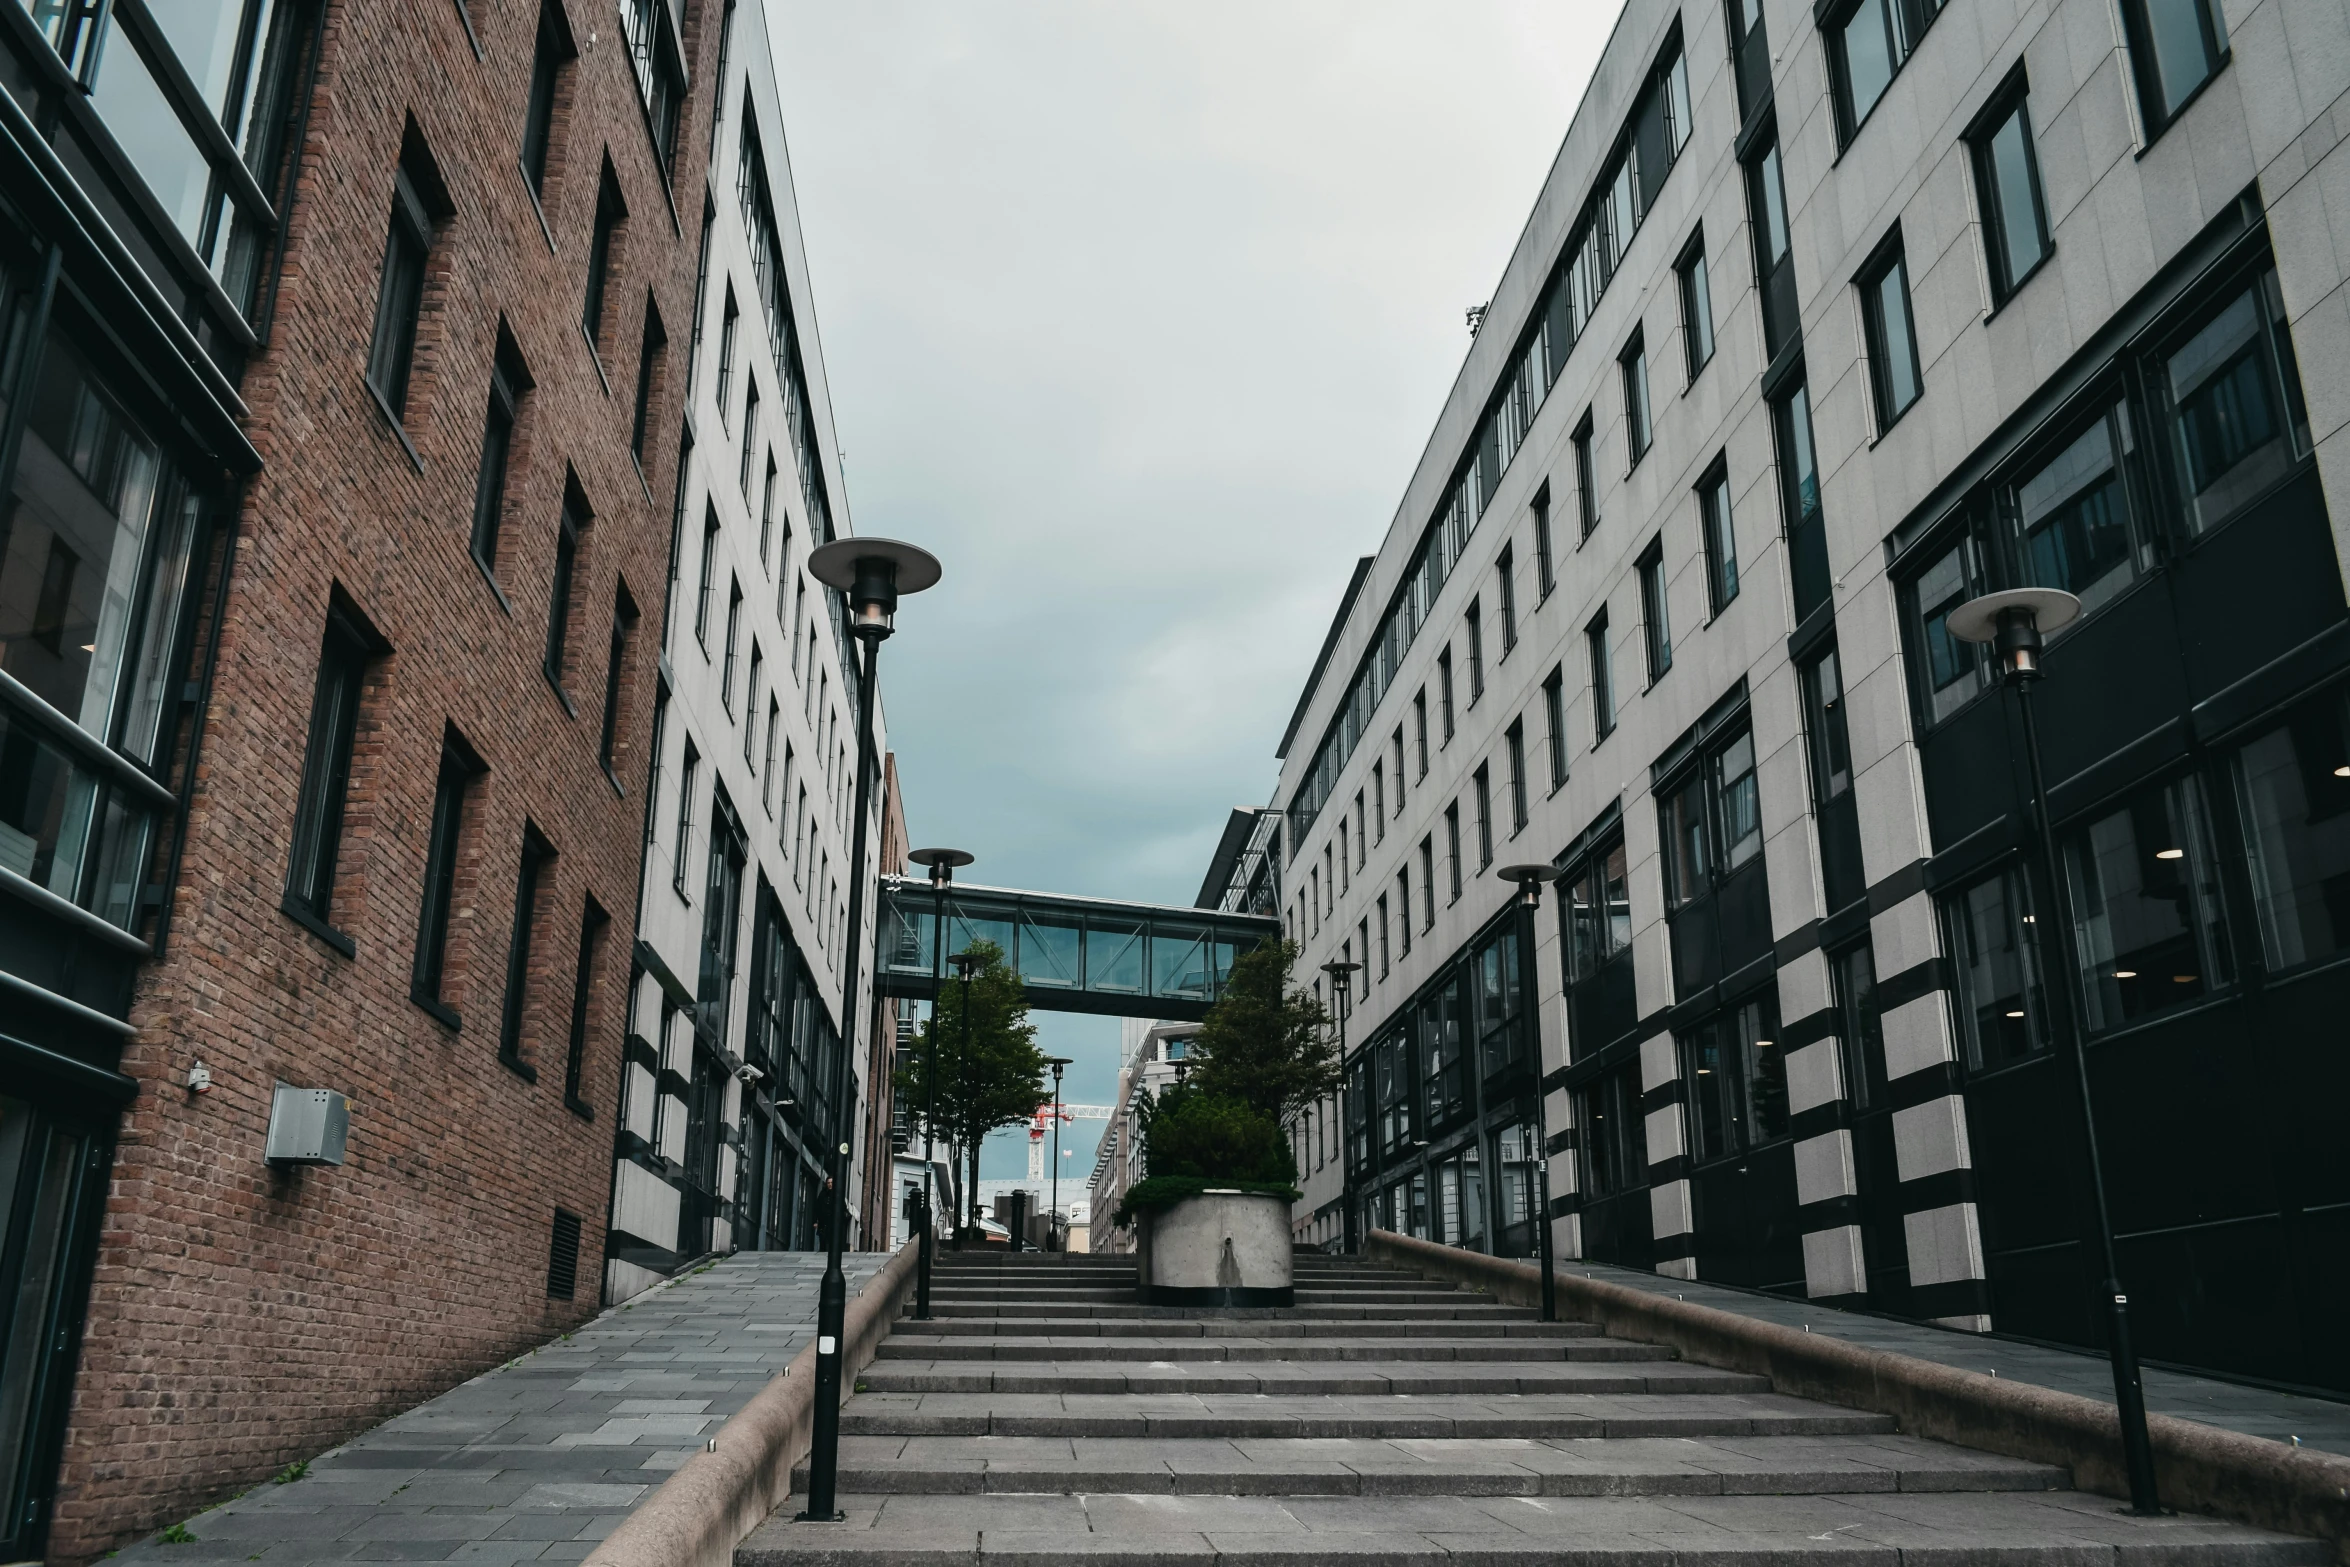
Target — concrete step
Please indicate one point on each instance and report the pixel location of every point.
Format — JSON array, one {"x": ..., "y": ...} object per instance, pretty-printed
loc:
[
  {"x": 1439, "y": 1415},
  {"x": 1417, "y": 1466},
  {"x": 1238, "y": 1347},
  {"x": 1896, "y": 1529},
  {"x": 1462, "y": 1308},
  {"x": 1410, "y": 1378},
  {"x": 1262, "y": 1325},
  {"x": 1307, "y": 1296}
]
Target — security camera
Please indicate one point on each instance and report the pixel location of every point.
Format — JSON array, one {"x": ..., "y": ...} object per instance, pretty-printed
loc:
[{"x": 749, "y": 1074}]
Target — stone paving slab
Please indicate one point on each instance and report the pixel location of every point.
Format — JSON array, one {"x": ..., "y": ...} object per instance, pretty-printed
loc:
[
  {"x": 1251, "y": 1347},
  {"x": 540, "y": 1458},
  {"x": 2255, "y": 1411},
  {"x": 1094, "y": 1376}
]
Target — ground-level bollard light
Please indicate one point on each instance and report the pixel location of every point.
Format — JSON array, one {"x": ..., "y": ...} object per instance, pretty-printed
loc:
[
  {"x": 1529, "y": 879},
  {"x": 942, "y": 865},
  {"x": 871, "y": 573},
  {"x": 2013, "y": 624}
]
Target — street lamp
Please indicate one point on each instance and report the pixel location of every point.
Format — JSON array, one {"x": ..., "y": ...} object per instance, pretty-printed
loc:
[
  {"x": 1530, "y": 879},
  {"x": 1342, "y": 990},
  {"x": 967, "y": 963},
  {"x": 1058, "y": 1064},
  {"x": 942, "y": 864},
  {"x": 2013, "y": 625},
  {"x": 872, "y": 572}
]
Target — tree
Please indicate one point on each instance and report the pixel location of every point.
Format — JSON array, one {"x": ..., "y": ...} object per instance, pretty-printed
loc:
[
  {"x": 1265, "y": 1043},
  {"x": 998, "y": 1081}
]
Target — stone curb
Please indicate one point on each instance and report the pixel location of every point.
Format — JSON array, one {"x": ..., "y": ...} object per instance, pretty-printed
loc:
[
  {"x": 718, "y": 1496},
  {"x": 2198, "y": 1468}
]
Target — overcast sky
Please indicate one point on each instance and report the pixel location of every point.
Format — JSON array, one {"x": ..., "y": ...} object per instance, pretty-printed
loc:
[{"x": 1138, "y": 315}]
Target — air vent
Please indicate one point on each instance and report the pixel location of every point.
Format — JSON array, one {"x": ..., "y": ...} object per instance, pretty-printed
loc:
[{"x": 563, "y": 1257}]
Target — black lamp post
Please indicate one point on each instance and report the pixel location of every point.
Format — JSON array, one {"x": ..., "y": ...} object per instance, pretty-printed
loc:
[
  {"x": 2012, "y": 624},
  {"x": 966, "y": 964},
  {"x": 942, "y": 864},
  {"x": 1342, "y": 990},
  {"x": 1530, "y": 879},
  {"x": 872, "y": 573},
  {"x": 1058, "y": 1064}
]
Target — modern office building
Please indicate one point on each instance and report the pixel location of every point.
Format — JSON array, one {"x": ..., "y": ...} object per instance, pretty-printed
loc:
[
  {"x": 732, "y": 1095},
  {"x": 1826, "y": 320},
  {"x": 1150, "y": 1054}
]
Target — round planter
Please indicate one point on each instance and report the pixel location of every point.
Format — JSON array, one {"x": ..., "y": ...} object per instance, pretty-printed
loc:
[{"x": 1216, "y": 1249}]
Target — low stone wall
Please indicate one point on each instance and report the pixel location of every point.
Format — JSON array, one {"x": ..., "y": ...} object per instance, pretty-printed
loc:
[
  {"x": 716, "y": 1497},
  {"x": 2198, "y": 1468}
]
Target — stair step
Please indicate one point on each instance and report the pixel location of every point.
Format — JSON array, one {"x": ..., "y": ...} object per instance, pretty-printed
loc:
[
  {"x": 1863, "y": 1530},
  {"x": 1411, "y": 1466},
  {"x": 1464, "y": 1308},
  {"x": 936, "y": 1347},
  {"x": 1266, "y": 1324},
  {"x": 1358, "y": 1377}
]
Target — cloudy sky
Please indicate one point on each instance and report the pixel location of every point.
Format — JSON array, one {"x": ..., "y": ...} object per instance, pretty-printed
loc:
[{"x": 1138, "y": 315}]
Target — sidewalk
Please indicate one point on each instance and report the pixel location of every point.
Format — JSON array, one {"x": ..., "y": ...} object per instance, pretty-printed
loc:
[
  {"x": 2319, "y": 1423},
  {"x": 542, "y": 1457}
]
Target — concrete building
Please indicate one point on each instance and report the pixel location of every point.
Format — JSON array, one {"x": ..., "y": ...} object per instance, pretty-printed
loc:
[
  {"x": 1150, "y": 1053},
  {"x": 1825, "y": 320},
  {"x": 734, "y": 1015}
]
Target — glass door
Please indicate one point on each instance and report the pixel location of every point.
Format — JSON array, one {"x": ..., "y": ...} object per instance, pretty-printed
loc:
[{"x": 42, "y": 1200}]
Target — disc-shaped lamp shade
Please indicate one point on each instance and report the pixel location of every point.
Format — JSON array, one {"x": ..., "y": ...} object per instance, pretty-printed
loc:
[
  {"x": 952, "y": 859},
  {"x": 873, "y": 573},
  {"x": 1338, "y": 970},
  {"x": 1977, "y": 620},
  {"x": 1523, "y": 874},
  {"x": 1057, "y": 1062}
]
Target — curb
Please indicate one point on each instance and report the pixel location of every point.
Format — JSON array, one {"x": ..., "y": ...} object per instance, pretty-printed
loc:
[
  {"x": 2198, "y": 1468},
  {"x": 718, "y": 1496}
]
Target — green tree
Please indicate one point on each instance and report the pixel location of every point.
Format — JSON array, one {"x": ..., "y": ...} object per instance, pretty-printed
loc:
[
  {"x": 995, "y": 1079},
  {"x": 1264, "y": 1042}
]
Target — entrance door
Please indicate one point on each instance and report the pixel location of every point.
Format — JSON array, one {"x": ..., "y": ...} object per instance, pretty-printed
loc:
[{"x": 50, "y": 1183}]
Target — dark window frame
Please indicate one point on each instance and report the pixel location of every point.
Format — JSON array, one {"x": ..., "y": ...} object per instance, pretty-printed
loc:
[
  {"x": 611, "y": 216},
  {"x": 1554, "y": 710},
  {"x": 529, "y": 888},
  {"x": 1717, "y": 534},
  {"x": 2154, "y": 105},
  {"x": 1603, "y": 677},
  {"x": 1586, "y": 476},
  {"x": 1887, "y": 262},
  {"x": 347, "y": 648},
  {"x": 1639, "y": 403},
  {"x": 1656, "y": 621},
  {"x": 1904, "y": 25},
  {"x": 1695, "y": 286},
  {"x": 510, "y": 383},
  {"x": 2011, "y": 103},
  {"x": 460, "y": 767}
]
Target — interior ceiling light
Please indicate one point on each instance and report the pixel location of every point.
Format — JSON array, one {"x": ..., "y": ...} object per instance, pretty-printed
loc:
[
  {"x": 2125, "y": 973},
  {"x": 2170, "y": 854}
]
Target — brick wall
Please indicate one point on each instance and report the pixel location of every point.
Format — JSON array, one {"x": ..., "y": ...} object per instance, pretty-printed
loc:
[{"x": 243, "y": 1317}]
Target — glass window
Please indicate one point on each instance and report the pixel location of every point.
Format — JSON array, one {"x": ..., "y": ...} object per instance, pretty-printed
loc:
[
  {"x": 1951, "y": 671},
  {"x": 1545, "y": 569},
  {"x": 2147, "y": 928},
  {"x": 1614, "y": 1137},
  {"x": 1600, "y": 913},
  {"x": 1741, "y": 803},
  {"x": 650, "y": 342},
  {"x": 1893, "y": 349},
  {"x": 67, "y": 829},
  {"x": 2293, "y": 785},
  {"x": 1505, "y": 588},
  {"x": 2007, "y": 177},
  {"x": 1657, "y": 629},
  {"x": 1860, "y": 1028},
  {"x": 497, "y": 449},
  {"x": 440, "y": 881},
  {"x": 1554, "y": 713},
  {"x": 1697, "y": 311},
  {"x": 1481, "y": 785},
  {"x": 1688, "y": 865},
  {"x": 392, "y": 351},
  {"x": 559, "y": 590},
  {"x": 326, "y": 771},
  {"x": 1586, "y": 478},
  {"x": 2075, "y": 516},
  {"x": 2177, "y": 44},
  {"x": 609, "y": 212},
  {"x": 1867, "y": 48},
  {"x": 1736, "y": 1078},
  {"x": 538, "y": 118},
  {"x": 1515, "y": 738},
  {"x": 530, "y": 882},
  {"x": 1987, "y": 930},
  {"x": 1603, "y": 679},
  {"x": 1826, "y": 729},
  {"x": 1720, "y": 540},
  {"x": 2235, "y": 394},
  {"x": 1636, "y": 408},
  {"x": 1799, "y": 486}
]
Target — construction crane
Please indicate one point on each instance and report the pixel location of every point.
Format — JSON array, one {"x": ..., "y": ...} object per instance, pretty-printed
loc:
[{"x": 1040, "y": 1126}]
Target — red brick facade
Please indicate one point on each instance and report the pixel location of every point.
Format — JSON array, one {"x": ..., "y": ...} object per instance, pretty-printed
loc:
[{"x": 243, "y": 1317}]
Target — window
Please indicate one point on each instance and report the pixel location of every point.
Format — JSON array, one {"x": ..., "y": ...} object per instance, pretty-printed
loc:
[
  {"x": 1481, "y": 787},
  {"x": 1586, "y": 478},
  {"x": 1799, "y": 499},
  {"x": 1892, "y": 341},
  {"x": 1866, "y": 48},
  {"x": 2293, "y": 788},
  {"x": 1379, "y": 800},
  {"x": 399, "y": 300},
  {"x": 687, "y": 775},
  {"x": 648, "y": 365},
  {"x": 508, "y": 380},
  {"x": 751, "y": 702},
  {"x": 1613, "y": 1138},
  {"x": 2178, "y": 45},
  {"x": 609, "y": 214},
  {"x": 1506, "y": 590},
  {"x": 2147, "y": 928},
  {"x": 1343, "y": 858},
  {"x": 538, "y": 117},
  {"x": 1860, "y": 1029},
  {"x": 1476, "y": 627},
  {"x": 567, "y": 530},
  {"x": 767, "y": 527},
  {"x": 2002, "y": 1015},
  {"x": 615, "y": 670},
  {"x": 1362, "y": 838},
  {"x": 1554, "y": 714},
  {"x": 1420, "y": 728},
  {"x": 1444, "y": 689},
  {"x": 459, "y": 767},
  {"x": 750, "y": 447},
  {"x": 1634, "y": 363},
  {"x": 723, "y": 390},
  {"x": 1428, "y": 881},
  {"x": 1603, "y": 679},
  {"x": 2007, "y": 181},
  {"x": 2073, "y": 512},
  {"x": 530, "y": 883},
  {"x": 1403, "y": 907},
  {"x": 1545, "y": 563},
  {"x": 1829, "y": 744},
  {"x": 702, "y": 602},
  {"x": 1951, "y": 671},
  {"x": 1514, "y": 740},
  {"x": 1750, "y": 52},
  {"x": 1697, "y": 308},
  {"x": 1452, "y": 847},
  {"x": 1716, "y": 901},
  {"x": 326, "y": 770},
  {"x": 1656, "y": 628},
  {"x": 592, "y": 924},
  {"x": 1362, "y": 945},
  {"x": 1383, "y": 954},
  {"x": 1719, "y": 537},
  {"x": 1597, "y": 910},
  {"x": 1774, "y": 265},
  {"x": 2235, "y": 402},
  {"x": 660, "y": 79},
  {"x": 1737, "y": 1081}
]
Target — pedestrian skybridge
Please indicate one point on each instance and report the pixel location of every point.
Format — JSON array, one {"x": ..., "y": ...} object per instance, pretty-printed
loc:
[{"x": 1072, "y": 954}]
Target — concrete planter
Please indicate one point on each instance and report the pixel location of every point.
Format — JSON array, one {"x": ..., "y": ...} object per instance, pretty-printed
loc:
[{"x": 1216, "y": 1249}]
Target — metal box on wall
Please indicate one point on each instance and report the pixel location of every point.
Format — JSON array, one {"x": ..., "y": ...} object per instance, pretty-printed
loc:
[{"x": 308, "y": 1126}]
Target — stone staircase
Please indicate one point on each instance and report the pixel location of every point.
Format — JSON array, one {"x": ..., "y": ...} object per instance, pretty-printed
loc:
[{"x": 1042, "y": 1415}]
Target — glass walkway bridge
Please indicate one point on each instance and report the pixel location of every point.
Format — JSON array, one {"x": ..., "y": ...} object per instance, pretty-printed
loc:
[{"x": 1072, "y": 954}]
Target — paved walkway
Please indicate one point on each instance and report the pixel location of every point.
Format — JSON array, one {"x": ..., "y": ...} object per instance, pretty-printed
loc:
[
  {"x": 542, "y": 1457},
  {"x": 2317, "y": 1422}
]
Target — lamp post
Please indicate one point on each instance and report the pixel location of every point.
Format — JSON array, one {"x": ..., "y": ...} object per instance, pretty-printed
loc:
[
  {"x": 2012, "y": 624},
  {"x": 872, "y": 573},
  {"x": 1529, "y": 879},
  {"x": 942, "y": 864},
  {"x": 1058, "y": 1064},
  {"x": 966, "y": 964},
  {"x": 1342, "y": 990}
]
